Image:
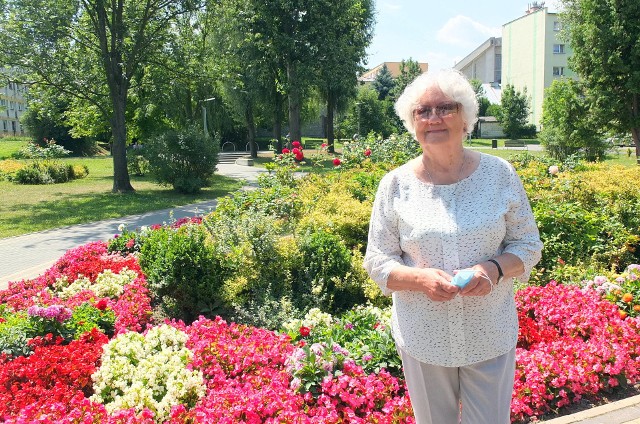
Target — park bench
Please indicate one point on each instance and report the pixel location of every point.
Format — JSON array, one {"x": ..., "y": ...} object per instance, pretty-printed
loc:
[{"x": 515, "y": 143}]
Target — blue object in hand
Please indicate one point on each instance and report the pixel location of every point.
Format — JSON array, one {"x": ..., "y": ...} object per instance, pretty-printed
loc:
[{"x": 463, "y": 277}]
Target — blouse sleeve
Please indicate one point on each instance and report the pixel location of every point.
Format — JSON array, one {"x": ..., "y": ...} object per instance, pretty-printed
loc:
[
  {"x": 522, "y": 237},
  {"x": 383, "y": 247}
]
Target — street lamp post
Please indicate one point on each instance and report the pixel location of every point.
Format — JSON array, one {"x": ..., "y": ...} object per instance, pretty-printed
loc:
[{"x": 204, "y": 114}]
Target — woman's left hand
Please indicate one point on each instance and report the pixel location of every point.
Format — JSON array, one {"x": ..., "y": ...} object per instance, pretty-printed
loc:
[{"x": 479, "y": 285}]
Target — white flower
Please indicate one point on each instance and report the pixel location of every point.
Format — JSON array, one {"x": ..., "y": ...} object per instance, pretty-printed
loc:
[
  {"x": 553, "y": 169},
  {"x": 147, "y": 371},
  {"x": 121, "y": 227}
]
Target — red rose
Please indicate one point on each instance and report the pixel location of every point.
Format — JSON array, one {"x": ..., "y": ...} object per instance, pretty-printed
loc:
[
  {"x": 285, "y": 151},
  {"x": 337, "y": 162},
  {"x": 299, "y": 156},
  {"x": 305, "y": 331},
  {"x": 296, "y": 144},
  {"x": 367, "y": 152}
]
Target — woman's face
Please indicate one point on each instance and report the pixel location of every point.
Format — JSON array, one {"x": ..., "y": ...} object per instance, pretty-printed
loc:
[{"x": 438, "y": 119}]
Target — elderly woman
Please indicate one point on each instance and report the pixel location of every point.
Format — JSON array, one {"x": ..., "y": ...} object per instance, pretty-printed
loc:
[{"x": 449, "y": 231}]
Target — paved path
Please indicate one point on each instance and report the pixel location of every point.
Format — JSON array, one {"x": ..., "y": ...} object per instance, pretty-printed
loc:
[{"x": 30, "y": 255}]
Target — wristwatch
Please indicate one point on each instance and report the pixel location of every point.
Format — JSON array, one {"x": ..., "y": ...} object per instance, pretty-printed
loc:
[{"x": 500, "y": 274}]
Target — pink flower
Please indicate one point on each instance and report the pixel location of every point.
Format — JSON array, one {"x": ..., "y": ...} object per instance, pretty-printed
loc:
[{"x": 130, "y": 244}]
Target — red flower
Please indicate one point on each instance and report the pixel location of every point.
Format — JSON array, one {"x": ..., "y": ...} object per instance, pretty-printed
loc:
[
  {"x": 102, "y": 304},
  {"x": 367, "y": 152},
  {"x": 285, "y": 151},
  {"x": 130, "y": 243},
  {"x": 337, "y": 162},
  {"x": 305, "y": 331},
  {"x": 299, "y": 156},
  {"x": 296, "y": 144}
]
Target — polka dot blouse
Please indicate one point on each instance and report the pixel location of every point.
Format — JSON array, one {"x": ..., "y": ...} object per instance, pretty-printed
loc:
[{"x": 452, "y": 227}]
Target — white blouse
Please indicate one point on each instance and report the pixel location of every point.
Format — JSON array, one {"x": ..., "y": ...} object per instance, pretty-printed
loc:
[{"x": 452, "y": 227}]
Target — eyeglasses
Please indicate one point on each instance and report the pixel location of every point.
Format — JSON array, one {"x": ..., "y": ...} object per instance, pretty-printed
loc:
[{"x": 441, "y": 111}]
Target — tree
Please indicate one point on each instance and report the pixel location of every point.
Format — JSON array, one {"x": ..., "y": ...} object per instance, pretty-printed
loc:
[
  {"x": 383, "y": 83},
  {"x": 604, "y": 36},
  {"x": 566, "y": 125},
  {"x": 514, "y": 111},
  {"x": 483, "y": 102},
  {"x": 93, "y": 50},
  {"x": 343, "y": 30},
  {"x": 409, "y": 70},
  {"x": 368, "y": 114}
]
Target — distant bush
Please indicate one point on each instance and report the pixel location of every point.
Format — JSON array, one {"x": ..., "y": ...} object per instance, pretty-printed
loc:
[
  {"x": 50, "y": 150},
  {"x": 185, "y": 159},
  {"x": 137, "y": 164},
  {"x": 49, "y": 172}
]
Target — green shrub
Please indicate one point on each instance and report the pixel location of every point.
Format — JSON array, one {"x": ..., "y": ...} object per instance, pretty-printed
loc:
[
  {"x": 250, "y": 248},
  {"x": 50, "y": 150},
  {"x": 323, "y": 280},
  {"x": 49, "y": 172},
  {"x": 184, "y": 275},
  {"x": 137, "y": 165},
  {"x": 185, "y": 159},
  {"x": 392, "y": 152},
  {"x": 15, "y": 331},
  {"x": 329, "y": 204}
]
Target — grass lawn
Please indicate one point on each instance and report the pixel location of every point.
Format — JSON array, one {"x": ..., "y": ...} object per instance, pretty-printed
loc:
[{"x": 29, "y": 208}]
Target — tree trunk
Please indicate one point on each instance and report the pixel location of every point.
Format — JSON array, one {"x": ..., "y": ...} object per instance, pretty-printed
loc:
[
  {"x": 331, "y": 106},
  {"x": 294, "y": 102},
  {"x": 251, "y": 130},
  {"x": 121, "y": 180},
  {"x": 635, "y": 132},
  {"x": 277, "y": 121}
]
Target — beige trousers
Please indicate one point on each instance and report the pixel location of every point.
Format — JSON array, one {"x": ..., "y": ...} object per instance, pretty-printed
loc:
[{"x": 474, "y": 394}]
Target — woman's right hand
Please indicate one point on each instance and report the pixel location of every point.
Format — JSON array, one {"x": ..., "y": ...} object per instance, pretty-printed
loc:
[
  {"x": 433, "y": 282},
  {"x": 436, "y": 284}
]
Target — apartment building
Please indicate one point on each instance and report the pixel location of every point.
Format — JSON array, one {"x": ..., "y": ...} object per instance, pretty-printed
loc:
[
  {"x": 12, "y": 107},
  {"x": 533, "y": 55}
]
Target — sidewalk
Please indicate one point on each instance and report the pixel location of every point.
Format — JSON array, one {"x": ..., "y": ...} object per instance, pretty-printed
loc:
[{"x": 30, "y": 255}]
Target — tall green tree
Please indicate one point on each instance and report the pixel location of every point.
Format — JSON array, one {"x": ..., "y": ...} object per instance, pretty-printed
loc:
[
  {"x": 343, "y": 30},
  {"x": 409, "y": 70},
  {"x": 91, "y": 49},
  {"x": 604, "y": 36},
  {"x": 481, "y": 97},
  {"x": 567, "y": 128},
  {"x": 383, "y": 83},
  {"x": 514, "y": 111}
]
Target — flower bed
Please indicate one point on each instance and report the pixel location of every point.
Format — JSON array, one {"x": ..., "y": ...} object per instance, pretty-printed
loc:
[{"x": 573, "y": 343}]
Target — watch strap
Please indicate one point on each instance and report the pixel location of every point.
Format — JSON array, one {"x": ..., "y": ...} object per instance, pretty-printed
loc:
[{"x": 500, "y": 273}]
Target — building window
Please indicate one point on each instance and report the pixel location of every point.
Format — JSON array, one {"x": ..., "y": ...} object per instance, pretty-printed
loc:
[
  {"x": 557, "y": 26},
  {"x": 558, "y": 48},
  {"x": 558, "y": 71}
]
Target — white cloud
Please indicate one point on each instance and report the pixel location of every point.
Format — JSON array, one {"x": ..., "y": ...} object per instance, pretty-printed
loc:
[
  {"x": 390, "y": 6},
  {"x": 463, "y": 31}
]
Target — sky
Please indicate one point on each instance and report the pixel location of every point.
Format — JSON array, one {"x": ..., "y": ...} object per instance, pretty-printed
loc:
[{"x": 441, "y": 32}]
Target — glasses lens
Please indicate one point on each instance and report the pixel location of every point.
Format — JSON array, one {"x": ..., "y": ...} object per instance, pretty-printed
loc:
[{"x": 440, "y": 111}]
